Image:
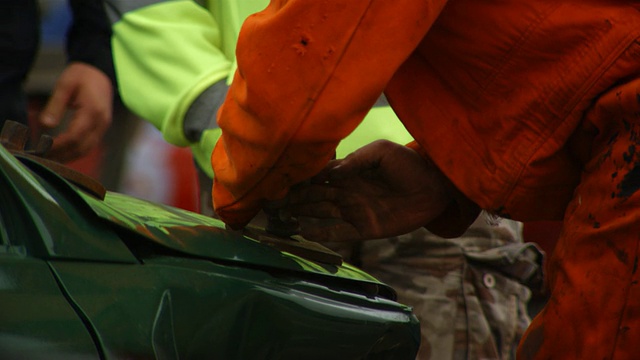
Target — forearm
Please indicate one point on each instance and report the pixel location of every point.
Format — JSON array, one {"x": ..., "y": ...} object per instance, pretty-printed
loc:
[
  {"x": 458, "y": 215},
  {"x": 88, "y": 38},
  {"x": 308, "y": 73},
  {"x": 166, "y": 56}
]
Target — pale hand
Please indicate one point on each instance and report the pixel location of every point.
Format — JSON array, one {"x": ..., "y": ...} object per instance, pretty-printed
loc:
[{"x": 88, "y": 92}]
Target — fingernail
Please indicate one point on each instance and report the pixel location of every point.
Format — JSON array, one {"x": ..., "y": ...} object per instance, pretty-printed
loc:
[{"x": 48, "y": 119}]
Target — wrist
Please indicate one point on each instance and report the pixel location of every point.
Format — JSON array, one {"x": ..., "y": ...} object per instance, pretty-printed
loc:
[{"x": 458, "y": 213}]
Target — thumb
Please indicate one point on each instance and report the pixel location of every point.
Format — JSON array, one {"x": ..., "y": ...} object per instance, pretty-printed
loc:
[
  {"x": 361, "y": 160},
  {"x": 54, "y": 109},
  {"x": 369, "y": 159}
]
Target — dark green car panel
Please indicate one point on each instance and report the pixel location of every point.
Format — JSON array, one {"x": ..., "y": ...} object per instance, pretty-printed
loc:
[
  {"x": 242, "y": 314},
  {"x": 36, "y": 317},
  {"x": 123, "y": 278},
  {"x": 53, "y": 223}
]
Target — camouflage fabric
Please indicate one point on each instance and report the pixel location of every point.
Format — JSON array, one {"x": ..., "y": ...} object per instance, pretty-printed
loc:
[{"x": 467, "y": 292}]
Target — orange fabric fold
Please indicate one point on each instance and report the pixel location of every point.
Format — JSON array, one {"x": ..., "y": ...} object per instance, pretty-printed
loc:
[{"x": 594, "y": 310}]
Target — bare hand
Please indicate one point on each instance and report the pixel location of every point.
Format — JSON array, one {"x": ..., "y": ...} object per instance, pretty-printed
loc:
[
  {"x": 381, "y": 190},
  {"x": 88, "y": 91}
]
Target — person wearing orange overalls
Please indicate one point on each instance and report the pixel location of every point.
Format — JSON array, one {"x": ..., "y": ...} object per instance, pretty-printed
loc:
[{"x": 529, "y": 110}]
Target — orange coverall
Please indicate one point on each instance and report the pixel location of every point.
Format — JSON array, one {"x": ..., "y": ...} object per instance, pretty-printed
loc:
[{"x": 531, "y": 108}]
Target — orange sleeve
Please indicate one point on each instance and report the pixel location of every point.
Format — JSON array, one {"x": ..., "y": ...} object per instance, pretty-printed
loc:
[{"x": 308, "y": 71}]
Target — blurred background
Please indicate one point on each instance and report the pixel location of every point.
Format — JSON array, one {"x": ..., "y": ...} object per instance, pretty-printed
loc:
[{"x": 133, "y": 158}]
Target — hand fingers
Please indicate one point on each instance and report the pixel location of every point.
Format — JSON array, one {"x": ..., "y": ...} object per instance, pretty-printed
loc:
[
  {"x": 337, "y": 171},
  {"x": 56, "y": 106},
  {"x": 323, "y": 175},
  {"x": 340, "y": 232},
  {"x": 82, "y": 134},
  {"x": 67, "y": 148},
  {"x": 365, "y": 159},
  {"x": 87, "y": 90},
  {"x": 313, "y": 193},
  {"x": 321, "y": 210}
]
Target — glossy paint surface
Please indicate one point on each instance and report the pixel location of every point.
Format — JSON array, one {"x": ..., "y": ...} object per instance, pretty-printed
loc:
[{"x": 121, "y": 278}]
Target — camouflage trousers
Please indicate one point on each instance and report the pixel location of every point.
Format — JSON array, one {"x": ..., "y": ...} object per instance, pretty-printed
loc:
[{"x": 467, "y": 292}]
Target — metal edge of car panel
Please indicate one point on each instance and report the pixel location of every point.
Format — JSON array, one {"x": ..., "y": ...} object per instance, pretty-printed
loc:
[
  {"x": 37, "y": 321},
  {"x": 56, "y": 225}
]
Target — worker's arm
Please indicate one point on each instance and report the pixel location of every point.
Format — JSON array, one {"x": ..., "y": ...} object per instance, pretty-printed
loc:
[
  {"x": 88, "y": 38},
  {"x": 173, "y": 60},
  {"x": 170, "y": 65},
  {"x": 84, "y": 86},
  {"x": 308, "y": 71}
]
